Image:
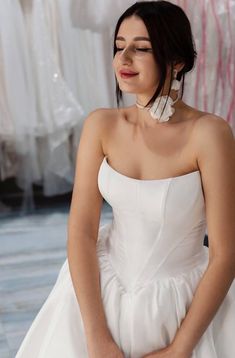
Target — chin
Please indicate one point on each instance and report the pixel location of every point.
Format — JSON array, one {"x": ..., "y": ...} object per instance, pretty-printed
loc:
[
  {"x": 128, "y": 88},
  {"x": 124, "y": 90}
]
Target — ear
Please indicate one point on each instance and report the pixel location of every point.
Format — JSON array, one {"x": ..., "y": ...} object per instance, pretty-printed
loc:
[{"x": 179, "y": 66}]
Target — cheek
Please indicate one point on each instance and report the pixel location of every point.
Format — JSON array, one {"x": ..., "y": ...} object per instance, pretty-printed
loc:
[
  {"x": 114, "y": 62},
  {"x": 154, "y": 72},
  {"x": 149, "y": 72}
]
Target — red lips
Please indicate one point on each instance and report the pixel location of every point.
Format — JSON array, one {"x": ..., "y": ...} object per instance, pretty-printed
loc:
[{"x": 127, "y": 73}]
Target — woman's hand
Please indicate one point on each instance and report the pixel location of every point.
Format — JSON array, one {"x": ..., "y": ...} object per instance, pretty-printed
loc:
[
  {"x": 104, "y": 348},
  {"x": 168, "y": 352}
]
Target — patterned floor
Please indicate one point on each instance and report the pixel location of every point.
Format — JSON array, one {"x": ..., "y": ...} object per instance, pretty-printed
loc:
[{"x": 32, "y": 250}]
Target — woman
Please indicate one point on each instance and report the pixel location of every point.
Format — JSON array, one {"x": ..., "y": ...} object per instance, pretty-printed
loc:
[{"x": 144, "y": 285}]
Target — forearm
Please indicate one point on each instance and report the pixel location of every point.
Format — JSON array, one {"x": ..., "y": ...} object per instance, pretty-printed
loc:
[
  {"x": 84, "y": 269},
  {"x": 208, "y": 297}
]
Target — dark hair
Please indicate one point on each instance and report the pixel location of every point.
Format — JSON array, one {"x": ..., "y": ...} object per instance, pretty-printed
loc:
[{"x": 171, "y": 37}]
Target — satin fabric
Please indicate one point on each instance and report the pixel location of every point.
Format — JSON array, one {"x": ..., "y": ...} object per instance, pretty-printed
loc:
[{"x": 151, "y": 259}]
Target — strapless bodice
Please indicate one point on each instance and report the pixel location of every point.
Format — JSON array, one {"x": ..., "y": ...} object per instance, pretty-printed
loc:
[{"x": 158, "y": 225}]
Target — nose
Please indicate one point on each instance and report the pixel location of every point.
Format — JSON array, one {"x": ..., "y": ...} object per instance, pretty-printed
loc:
[{"x": 125, "y": 56}]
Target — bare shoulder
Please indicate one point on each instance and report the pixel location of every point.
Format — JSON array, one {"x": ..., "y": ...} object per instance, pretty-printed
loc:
[
  {"x": 214, "y": 145},
  {"x": 211, "y": 127},
  {"x": 92, "y": 138},
  {"x": 101, "y": 119},
  {"x": 102, "y": 116},
  {"x": 212, "y": 132},
  {"x": 104, "y": 123}
]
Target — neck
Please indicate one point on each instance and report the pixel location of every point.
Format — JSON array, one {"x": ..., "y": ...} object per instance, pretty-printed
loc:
[
  {"x": 141, "y": 101},
  {"x": 146, "y": 120}
]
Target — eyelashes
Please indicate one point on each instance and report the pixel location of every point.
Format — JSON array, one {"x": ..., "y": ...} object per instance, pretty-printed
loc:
[{"x": 136, "y": 49}]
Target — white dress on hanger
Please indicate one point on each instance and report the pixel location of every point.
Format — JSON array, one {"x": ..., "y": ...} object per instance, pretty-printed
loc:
[
  {"x": 39, "y": 111},
  {"x": 59, "y": 112},
  {"x": 151, "y": 260},
  {"x": 100, "y": 17},
  {"x": 17, "y": 94}
]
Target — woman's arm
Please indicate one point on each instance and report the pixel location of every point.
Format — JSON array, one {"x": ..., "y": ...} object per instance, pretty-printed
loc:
[
  {"x": 215, "y": 146},
  {"x": 216, "y": 159},
  {"x": 83, "y": 225}
]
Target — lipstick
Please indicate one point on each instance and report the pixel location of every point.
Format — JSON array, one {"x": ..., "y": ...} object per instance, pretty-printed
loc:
[{"x": 127, "y": 73}]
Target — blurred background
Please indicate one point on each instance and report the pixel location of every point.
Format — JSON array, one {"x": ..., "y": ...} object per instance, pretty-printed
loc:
[{"x": 56, "y": 67}]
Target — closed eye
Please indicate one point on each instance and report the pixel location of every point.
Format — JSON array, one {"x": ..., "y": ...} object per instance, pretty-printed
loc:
[
  {"x": 144, "y": 49},
  {"x": 137, "y": 49}
]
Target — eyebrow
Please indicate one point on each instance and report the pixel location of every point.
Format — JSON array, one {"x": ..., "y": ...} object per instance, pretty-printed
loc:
[{"x": 138, "y": 38}]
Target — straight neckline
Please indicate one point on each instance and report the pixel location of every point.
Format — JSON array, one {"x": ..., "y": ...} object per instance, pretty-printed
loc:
[{"x": 149, "y": 180}]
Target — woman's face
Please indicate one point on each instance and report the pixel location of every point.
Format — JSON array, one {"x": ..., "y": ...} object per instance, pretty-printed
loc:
[{"x": 135, "y": 55}]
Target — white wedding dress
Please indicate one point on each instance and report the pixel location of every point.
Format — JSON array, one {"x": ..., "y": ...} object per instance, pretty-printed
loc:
[{"x": 151, "y": 259}]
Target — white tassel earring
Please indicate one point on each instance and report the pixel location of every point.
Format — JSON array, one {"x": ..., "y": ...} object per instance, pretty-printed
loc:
[{"x": 175, "y": 83}]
